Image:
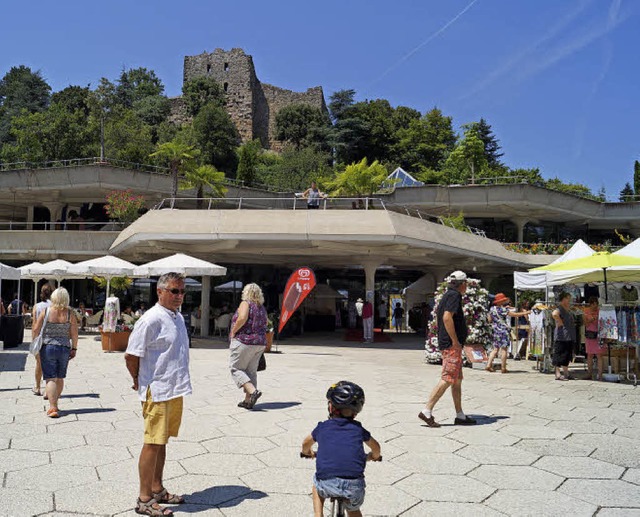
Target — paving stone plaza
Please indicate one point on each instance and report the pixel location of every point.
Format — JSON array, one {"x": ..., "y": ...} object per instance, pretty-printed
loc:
[{"x": 542, "y": 447}]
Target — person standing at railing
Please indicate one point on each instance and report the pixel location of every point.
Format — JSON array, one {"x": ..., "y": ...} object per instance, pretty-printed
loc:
[{"x": 313, "y": 195}]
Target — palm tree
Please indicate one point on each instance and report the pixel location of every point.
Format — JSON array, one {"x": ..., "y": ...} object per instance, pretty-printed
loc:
[
  {"x": 179, "y": 156},
  {"x": 204, "y": 176}
]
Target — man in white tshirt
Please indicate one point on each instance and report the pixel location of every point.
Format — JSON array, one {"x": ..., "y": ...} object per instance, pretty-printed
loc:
[{"x": 158, "y": 360}]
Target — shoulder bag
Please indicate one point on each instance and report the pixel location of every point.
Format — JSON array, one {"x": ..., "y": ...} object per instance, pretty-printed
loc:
[{"x": 36, "y": 343}]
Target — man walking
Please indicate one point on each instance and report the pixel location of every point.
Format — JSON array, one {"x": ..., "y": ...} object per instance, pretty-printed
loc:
[
  {"x": 158, "y": 360},
  {"x": 452, "y": 333},
  {"x": 367, "y": 321}
]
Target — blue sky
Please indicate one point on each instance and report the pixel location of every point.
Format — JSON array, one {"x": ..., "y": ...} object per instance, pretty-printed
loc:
[{"x": 557, "y": 80}]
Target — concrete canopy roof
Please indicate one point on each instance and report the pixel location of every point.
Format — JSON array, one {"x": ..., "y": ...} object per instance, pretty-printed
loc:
[{"x": 329, "y": 238}]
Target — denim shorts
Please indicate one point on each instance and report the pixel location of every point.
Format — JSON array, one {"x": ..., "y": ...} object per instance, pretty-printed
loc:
[
  {"x": 54, "y": 360},
  {"x": 351, "y": 489}
]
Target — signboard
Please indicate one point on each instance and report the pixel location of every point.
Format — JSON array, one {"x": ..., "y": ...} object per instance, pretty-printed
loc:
[{"x": 300, "y": 284}]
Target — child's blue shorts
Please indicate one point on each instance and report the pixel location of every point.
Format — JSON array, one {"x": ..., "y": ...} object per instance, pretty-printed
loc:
[{"x": 350, "y": 489}]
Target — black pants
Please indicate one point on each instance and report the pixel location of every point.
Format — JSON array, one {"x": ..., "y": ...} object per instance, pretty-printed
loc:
[{"x": 562, "y": 352}]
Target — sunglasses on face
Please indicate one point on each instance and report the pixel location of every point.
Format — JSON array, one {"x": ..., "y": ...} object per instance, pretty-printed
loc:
[{"x": 175, "y": 292}]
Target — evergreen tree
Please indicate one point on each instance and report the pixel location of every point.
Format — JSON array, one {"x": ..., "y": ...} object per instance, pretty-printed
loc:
[
  {"x": 201, "y": 91},
  {"x": 248, "y": 161},
  {"x": 491, "y": 143},
  {"x": 626, "y": 194},
  {"x": 636, "y": 177},
  {"x": 20, "y": 89},
  {"x": 302, "y": 125},
  {"x": 217, "y": 138}
]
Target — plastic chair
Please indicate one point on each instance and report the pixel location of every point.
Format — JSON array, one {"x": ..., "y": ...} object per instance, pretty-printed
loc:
[{"x": 221, "y": 324}]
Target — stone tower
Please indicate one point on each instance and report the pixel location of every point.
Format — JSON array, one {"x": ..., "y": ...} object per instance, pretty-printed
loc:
[{"x": 251, "y": 104}]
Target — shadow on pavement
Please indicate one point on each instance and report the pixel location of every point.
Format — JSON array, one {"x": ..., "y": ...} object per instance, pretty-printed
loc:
[
  {"x": 271, "y": 406},
  {"x": 81, "y": 395},
  {"x": 480, "y": 420},
  {"x": 223, "y": 496},
  {"x": 84, "y": 411},
  {"x": 13, "y": 360}
]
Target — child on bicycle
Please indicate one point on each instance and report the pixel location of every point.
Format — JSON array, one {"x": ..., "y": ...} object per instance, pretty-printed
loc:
[{"x": 340, "y": 460}]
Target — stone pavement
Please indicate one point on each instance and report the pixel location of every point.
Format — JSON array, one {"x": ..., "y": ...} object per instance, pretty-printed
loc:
[{"x": 543, "y": 447}]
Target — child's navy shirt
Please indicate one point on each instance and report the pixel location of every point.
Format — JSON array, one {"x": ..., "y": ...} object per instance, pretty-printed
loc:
[{"x": 340, "y": 450}]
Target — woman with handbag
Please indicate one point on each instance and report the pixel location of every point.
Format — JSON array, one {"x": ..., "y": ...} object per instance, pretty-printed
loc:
[
  {"x": 591, "y": 341},
  {"x": 59, "y": 344},
  {"x": 248, "y": 336}
]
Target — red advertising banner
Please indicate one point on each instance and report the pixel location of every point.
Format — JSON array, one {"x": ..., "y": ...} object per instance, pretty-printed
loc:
[{"x": 300, "y": 284}]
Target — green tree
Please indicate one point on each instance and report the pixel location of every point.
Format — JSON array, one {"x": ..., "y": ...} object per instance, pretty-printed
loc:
[
  {"x": 576, "y": 189},
  {"x": 201, "y": 91},
  {"x": 491, "y": 143},
  {"x": 348, "y": 130},
  {"x": 179, "y": 157},
  {"x": 217, "y": 138},
  {"x": 636, "y": 177},
  {"x": 127, "y": 137},
  {"x": 626, "y": 194},
  {"x": 20, "y": 89},
  {"x": 302, "y": 125},
  {"x": 426, "y": 142},
  {"x": 358, "y": 179},
  {"x": 53, "y": 134},
  {"x": 204, "y": 176},
  {"x": 467, "y": 159},
  {"x": 136, "y": 84},
  {"x": 248, "y": 161},
  {"x": 74, "y": 98},
  {"x": 293, "y": 170}
]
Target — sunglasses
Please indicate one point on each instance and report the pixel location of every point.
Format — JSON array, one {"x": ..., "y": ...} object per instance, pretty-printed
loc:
[{"x": 175, "y": 291}]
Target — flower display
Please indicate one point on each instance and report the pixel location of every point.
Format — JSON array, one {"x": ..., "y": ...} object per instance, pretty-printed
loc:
[
  {"x": 124, "y": 206},
  {"x": 475, "y": 306}
]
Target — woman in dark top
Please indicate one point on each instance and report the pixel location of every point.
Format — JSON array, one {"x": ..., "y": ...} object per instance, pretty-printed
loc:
[
  {"x": 398, "y": 315},
  {"x": 564, "y": 336}
]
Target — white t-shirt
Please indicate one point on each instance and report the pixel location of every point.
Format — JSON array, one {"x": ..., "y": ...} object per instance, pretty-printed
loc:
[
  {"x": 160, "y": 340},
  {"x": 41, "y": 307}
]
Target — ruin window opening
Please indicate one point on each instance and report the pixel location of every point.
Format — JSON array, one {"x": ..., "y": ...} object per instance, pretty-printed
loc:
[
  {"x": 226, "y": 67},
  {"x": 225, "y": 86},
  {"x": 208, "y": 68}
]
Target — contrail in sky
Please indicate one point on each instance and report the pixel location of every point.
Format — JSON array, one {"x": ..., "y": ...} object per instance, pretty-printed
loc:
[
  {"x": 430, "y": 38},
  {"x": 515, "y": 59}
]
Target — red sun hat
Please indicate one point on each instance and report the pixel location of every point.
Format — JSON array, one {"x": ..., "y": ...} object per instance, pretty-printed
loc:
[{"x": 500, "y": 299}]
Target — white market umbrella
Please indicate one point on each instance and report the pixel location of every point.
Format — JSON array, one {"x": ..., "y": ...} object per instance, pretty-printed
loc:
[
  {"x": 58, "y": 269},
  {"x": 108, "y": 266},
  {"x": 229, "y": 287},
  {"x": 9, "y": 273},
  {"x": 180, "y": 263},
  {"x": 23, "y": 270}
]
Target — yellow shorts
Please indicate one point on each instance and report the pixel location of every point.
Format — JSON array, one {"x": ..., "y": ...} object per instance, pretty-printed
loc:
[{"x": 161, "y": 419}]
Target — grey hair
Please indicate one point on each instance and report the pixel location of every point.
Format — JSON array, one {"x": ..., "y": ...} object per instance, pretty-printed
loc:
[
  {"x": 60, "y": 298},
  {"x": 164, "y": 280},
  {"x": 252, "y": 293}
]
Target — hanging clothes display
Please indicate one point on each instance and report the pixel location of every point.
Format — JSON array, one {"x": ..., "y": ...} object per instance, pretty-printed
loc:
[
  {"x": 607, "y": 323},
  {"x": 536, "y": 333},
  {"x": 590, "y": 290},
  {"x": 111, "y": 314},
  {"x": 628, "y": 293}
]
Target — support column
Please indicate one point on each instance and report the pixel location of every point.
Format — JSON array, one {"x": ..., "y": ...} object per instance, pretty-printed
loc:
[
  {"x": 205, "y": 303},
  {"x": 370, "y": 279},
  {"x": 520, "y": 223},
  {"x": 30, "y": 217}
]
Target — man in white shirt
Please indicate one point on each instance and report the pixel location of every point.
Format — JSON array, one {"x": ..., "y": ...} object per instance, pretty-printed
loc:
[{"x": 158, "y": 360}]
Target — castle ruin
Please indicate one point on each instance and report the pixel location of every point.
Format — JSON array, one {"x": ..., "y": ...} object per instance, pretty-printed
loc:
[{"x": 252, "y": 105}]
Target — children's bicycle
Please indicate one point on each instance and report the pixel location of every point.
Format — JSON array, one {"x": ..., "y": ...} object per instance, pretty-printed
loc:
[{"x": 338, "y": 504}]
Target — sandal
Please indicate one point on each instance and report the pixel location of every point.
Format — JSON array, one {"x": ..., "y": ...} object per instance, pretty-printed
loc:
[
  {"x": 151, "y": 507},
  {"x": 504, "y": 370},
  {"x": 490, "y": 369},
  {"x": 165, "y": 497},
  {"x": 254, "y": 398},
  {"x": 562, "y": 378},
  {"x": 243, "y": 404},
  {"x": 36, "y": 392},
  {"x": 52, "y": 412}
]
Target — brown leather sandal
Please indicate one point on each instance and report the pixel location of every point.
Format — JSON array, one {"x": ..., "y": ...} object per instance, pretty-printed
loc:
[
  {"x": 165, "y": 497},
  {"x": 151, "y": 507}
]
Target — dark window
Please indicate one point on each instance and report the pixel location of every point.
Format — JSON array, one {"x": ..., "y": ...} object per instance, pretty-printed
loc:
[
  {"x": 208, "y": 68},
  {"x": 225, "y": 86},
  {"x": 226, "y": 67}
]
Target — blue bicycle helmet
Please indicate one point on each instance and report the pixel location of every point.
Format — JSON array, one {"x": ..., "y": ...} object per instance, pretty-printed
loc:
[{"x": 346, "y": 395}]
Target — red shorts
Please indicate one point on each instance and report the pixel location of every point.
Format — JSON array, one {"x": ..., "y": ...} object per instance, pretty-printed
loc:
[{"x": 452, "y": 364}]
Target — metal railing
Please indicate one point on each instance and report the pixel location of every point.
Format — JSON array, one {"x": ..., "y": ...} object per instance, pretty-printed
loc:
[
  {"x": 63, "y": 226},
  {"x": 83, "y": 162}
]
